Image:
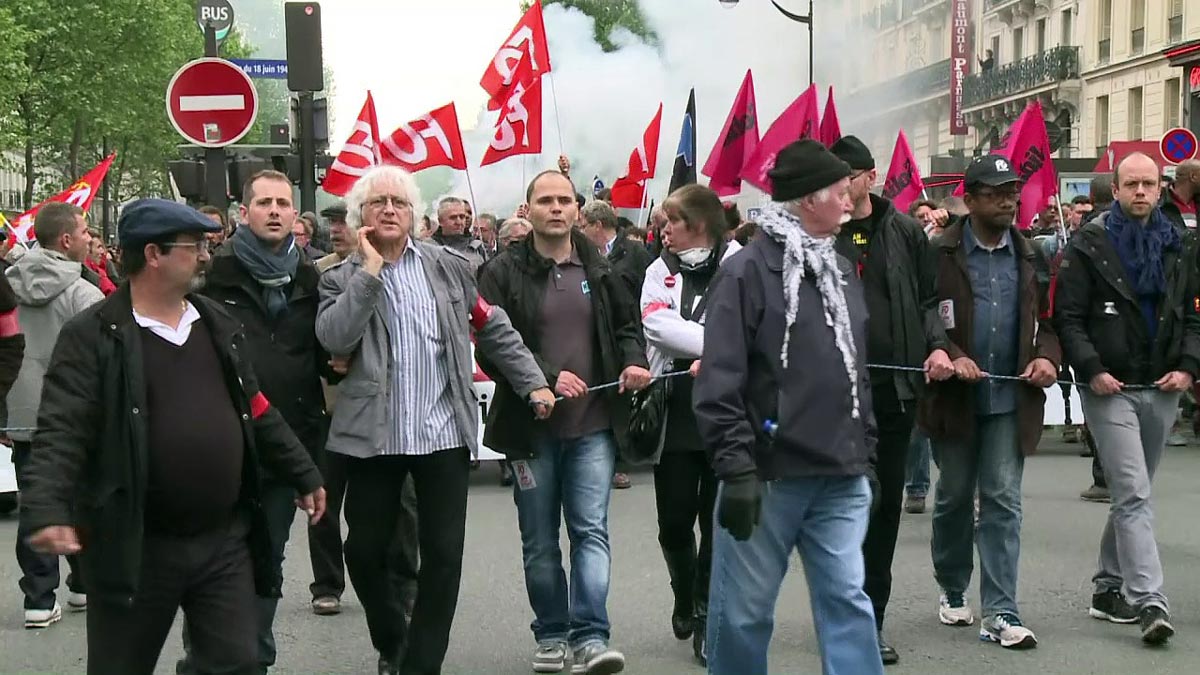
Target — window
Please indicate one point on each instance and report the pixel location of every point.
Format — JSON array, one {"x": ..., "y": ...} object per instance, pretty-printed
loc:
[
  {"x": 1175, "y": 22},
  {"x": 1137, "y": 25},
  {"x": 937, "y": 42},
  {"x": 1104, "y": 46},
  {"x": 1067, "y": 37},
  {"x": 996, "y": 48},
  {"x": 934, "y": 141},
  {"x": 1018, "y": 44},
  {"x": 1101, "y": 124},
  {"x": 1135, "y": 114},
  {"x": 1172, "y": 100},
  {"x": 1041, "y": 36}
]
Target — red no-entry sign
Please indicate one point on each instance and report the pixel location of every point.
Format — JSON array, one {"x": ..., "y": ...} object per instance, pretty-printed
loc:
[{"x": 211, "y": 102}]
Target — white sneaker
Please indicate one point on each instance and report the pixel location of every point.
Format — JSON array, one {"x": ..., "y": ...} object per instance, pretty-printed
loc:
[
  {"x": 954, "y": 611},
  {"x": 550, "y": 657},
  {"x": 1007, "y": 630},
  {"x": 42, "y": 618},
  {"x": 77, "y": 602}
]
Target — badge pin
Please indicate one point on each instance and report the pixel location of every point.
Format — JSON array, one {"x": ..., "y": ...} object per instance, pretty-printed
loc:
[
  {"x": 669, "y": 282},
  {"x": 583, "y": 286},
  {"x": 1110, "y": 308}
]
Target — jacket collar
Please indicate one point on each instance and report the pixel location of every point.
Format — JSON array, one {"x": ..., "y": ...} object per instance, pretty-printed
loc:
[
  {"x": 532, "y": 262},
  {"x": 117, "y": 311},
  {"x": 952, "y": 237},
  {"x": 225, "y": 270}
]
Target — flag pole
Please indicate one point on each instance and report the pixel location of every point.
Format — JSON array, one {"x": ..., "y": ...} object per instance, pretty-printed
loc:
[
  {"x": 642, "y": 206},
  {"x": 471, "y": 190},
  {"x": 562, "y": 149}
]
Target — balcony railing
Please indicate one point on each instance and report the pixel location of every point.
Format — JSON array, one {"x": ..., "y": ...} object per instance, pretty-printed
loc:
[
  {"x": 1060, "y": 63},
  {"x": 912, "y": 86},
  {"x": 1105, "y": 51},
  {"x": 1137, "y": 41},
  {"x": 1175, "y": 29}
]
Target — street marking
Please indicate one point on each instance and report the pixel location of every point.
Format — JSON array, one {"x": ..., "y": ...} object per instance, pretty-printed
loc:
[{"x": 215, "y": 102}]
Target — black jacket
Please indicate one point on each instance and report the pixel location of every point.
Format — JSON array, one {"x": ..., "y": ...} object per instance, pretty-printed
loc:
[
  {"x": 911, "y": 274},
  {"x": 516, "y": 280},
  {"x": 287, "y": 358},
  {"x": 12, "y": 341},
  {"x": 88, "y": 466},
  {"x": 1171, "y": 210},
  {"x": 1101, "y": 325},
  {"x": 629, "y": 260},
  {"x": 742, "y": 383}
]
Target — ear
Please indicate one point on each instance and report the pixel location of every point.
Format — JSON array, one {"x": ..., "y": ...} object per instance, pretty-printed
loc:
[{"x": 242, "y": 212}]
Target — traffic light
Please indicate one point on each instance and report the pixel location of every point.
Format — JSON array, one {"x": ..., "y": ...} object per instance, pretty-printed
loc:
[
  {"x": 242, "y": 168},
  {"x": 302, "y": 22},
  {"x": 188, "y": 175}
]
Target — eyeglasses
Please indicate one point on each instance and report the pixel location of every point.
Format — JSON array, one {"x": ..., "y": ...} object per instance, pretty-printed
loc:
[
  {"x": 200, "y": 247},
  {"x": 380, "y": 203}
]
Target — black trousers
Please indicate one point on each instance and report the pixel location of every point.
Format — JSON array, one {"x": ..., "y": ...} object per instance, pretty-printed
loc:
[
  {"x": 325, "y": 538},
  {"x": 373, "y": 505},
  {"x": 685, "y": 491},
  {"x": 895, "y": 421},
  {"x": 210, "y": 576},
  {"x": 39, "y": 572}
]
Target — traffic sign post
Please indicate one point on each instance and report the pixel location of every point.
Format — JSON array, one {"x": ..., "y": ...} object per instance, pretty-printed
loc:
[
  {"x": 1178, "y": 145},
  {"x": 215, "y": 13}
]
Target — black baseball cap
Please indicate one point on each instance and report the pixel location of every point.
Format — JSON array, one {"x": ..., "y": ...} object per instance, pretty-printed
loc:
[{"x": 990, "y": 170}]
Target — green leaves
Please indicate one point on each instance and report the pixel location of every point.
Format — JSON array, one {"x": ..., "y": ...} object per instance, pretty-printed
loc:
[{"x": 609, "y": 15}]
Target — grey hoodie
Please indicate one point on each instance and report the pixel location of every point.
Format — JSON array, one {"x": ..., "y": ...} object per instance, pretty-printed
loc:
[{"x": 50, "y": 289}]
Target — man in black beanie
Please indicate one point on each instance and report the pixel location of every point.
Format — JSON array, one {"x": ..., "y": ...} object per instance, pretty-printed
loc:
[
  {"x": 892, "y": 257},
  {"x": 791, "y": 451}
]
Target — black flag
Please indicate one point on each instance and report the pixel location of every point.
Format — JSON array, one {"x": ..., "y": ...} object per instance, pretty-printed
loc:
[{"x": 684, "y": 172}]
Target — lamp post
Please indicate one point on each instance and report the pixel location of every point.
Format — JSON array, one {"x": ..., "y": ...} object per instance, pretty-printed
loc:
[{"x": 799, "y": 18}]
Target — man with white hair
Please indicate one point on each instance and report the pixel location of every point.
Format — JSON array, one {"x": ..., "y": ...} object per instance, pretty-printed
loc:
[
  {"x": 454, "y": 231},
  {"x": 791, "y": 452},
  {"x": 404, "y": 311},
  {"x": 514, "y": 230}
]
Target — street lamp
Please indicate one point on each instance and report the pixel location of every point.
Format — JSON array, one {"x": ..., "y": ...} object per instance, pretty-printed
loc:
[{"x": 799, "y": 18}]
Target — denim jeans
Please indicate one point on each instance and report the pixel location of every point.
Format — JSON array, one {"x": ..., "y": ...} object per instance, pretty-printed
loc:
[
  {"x": 573, "y": 478},
  {"x": 825, "y": 519},
  {"x": 916, "y": 483},
  {"x": 993, "y": 463}
]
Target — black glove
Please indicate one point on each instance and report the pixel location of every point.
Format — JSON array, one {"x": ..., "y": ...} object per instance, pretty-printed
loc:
[{"x": 741, "y": 505}]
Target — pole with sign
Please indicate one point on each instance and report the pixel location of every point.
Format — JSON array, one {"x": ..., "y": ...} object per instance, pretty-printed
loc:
[{"x": 215, "y": 13}]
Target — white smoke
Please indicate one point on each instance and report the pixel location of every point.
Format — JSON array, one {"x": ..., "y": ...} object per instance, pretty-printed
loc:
[{"x": 606, "y": 100}]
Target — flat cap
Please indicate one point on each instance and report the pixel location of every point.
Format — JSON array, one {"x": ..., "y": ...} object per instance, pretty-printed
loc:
[{"x": 147, "y": 220}]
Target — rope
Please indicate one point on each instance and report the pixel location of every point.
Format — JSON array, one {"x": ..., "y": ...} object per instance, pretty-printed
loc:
[
  {"x": 610, "y": 385},
  {"x": 1008, "y": 378}
]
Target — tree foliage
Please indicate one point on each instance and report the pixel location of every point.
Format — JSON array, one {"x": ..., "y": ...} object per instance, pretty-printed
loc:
[{"x": 609, "y": 15}]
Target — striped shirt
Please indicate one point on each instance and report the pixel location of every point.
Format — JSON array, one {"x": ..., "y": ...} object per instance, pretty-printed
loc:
[{"x": 423, "y": 418}]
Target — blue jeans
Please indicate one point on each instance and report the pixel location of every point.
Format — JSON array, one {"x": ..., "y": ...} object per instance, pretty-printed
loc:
[
  {"x": 572, "y": 477},
  {"x": 825, "y": 519},
  {"x": 992, "y": 463},
  {"x": 916, "y": 482}
]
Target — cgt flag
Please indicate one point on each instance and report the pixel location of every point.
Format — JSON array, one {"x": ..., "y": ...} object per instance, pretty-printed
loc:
[
  {"x": 904, "y": 183},
  {"x": 736, "y": 144},
  {"x": 684, "y": 171},
  {"x": 358, "y": 155},
  {"x": 528, "y": 39},
  {"x": 433, "y": 139},
  {"x": 1027, "y": 147},
  {"x": 797, "y": 121},
  {"x": 81, "y": 193}
]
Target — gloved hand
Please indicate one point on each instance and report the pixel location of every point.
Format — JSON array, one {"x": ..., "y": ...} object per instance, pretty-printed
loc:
[{"x": 741, "y": 505}]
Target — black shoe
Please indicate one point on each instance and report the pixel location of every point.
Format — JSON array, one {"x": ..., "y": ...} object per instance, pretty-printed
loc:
[
  {"x": 887, "y": 653},
  {"x": 681, "y": 567},
  {"x": 699, "y": 647},
  {"x": 388, "y": 666},
  {"x": 1111, "y": 606},
  {"x": 1156, "y": 625}
]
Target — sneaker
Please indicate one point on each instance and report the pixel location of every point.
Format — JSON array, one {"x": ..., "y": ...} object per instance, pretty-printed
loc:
[
  {"x": 1096, "y": 494},
  {"x": 1007, "y": 630},
  {"x": 1176, "y": 440},
  {"x": 1156, "y": 625},
  {"x": 550, "y": 657},
  {"x": 42, "y": 618},
  {"x": 77, "y": 602},
  {"x": 596, "y": 658},
  {"x": 953, "y": 610},
  {"x": 621, "y": 481},
  {"x": 326, "y": 605},
  {"x": 1111, "y": 606},
  {"x": 914, "y": 504}
]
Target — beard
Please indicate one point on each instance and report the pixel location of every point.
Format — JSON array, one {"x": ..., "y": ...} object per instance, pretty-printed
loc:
[{"x": 197, "y": 283}]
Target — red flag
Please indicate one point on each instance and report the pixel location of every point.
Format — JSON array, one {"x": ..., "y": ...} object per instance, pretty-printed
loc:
[
  {"x": 433, "y": 139},
  {"x": 831, "y": 129},
  {"x": 519, "y": 129},
  {"x": 799, "y": 120},
  {"x": 527, "y": 37},
  {"x": 358, "y": 155},
  {"x": 629, "y": 194},
  {"x": 629, "y": 191},
  {"x": 903, "y": 184},
  {"x": 1027, "y": 147},
  {"x": 81, "y": 193},
  {"x": 735, "y": 145}
]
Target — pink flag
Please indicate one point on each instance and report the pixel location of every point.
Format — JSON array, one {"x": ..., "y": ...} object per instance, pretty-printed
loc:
[
  {"x": 903, "y": 184},
  {"x": 799, "y": 120},
  {"x": 1027, "y": 147},
  {"x": 831, "y": 129},
  {"x": 736, "y": 143}
]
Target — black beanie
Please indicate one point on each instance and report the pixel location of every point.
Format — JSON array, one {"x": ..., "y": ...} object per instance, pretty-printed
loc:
[
  {"x": 803, "y": 168},
  {"x": 853, "y": 152}
]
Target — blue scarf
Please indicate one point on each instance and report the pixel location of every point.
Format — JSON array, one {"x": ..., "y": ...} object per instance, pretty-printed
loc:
[
  {"x": 273, "y": 270},
  {"x": 1141, "y": 249}
]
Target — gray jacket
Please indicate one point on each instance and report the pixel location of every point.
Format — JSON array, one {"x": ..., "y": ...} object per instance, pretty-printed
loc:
[
  {"x": 351, "y": 321},
  {"x": 51, "y": 290}
]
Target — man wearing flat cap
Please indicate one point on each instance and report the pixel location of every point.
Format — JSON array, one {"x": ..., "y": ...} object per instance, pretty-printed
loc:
[
  {"x": 152, "y": 435},
  {"x": 992, "y": 293},
  {"x": 892, "y": 256},
  {"x": 783, "y": 402}
]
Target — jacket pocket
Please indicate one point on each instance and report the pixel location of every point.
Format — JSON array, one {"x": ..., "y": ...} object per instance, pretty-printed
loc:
[{"x": 358, "y": 412}]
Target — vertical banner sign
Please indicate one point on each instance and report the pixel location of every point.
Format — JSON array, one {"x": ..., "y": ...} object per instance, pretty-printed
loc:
[{"x": 960, "y": 63}]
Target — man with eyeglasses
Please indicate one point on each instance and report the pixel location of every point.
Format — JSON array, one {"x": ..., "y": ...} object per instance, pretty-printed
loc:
[
  {"x": 992, "y": 286},
  {"x": 893, "y": 258},
  {"x": 454, "y": 231},
  {"x": 152, "y": 438},
  {"x": 263, "y": 278}
]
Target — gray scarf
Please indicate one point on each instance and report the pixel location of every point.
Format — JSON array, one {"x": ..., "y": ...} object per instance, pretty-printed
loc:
[
  {"x": 273, "y": 270},
  {"x": 803, "y": 250}
]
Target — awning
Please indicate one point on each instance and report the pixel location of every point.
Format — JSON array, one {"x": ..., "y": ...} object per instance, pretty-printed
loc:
[{"x": 1118, "y": 150}]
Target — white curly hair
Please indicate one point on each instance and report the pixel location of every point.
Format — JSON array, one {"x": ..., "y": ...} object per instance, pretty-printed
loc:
[{"x": 357, "y": 197}]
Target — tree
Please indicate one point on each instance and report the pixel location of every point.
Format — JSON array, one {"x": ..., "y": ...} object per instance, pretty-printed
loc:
[{"x": 608, "y": 15}]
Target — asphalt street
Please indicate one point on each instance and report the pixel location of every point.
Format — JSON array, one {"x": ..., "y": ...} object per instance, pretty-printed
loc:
[{"x": 491, "y": 633}]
